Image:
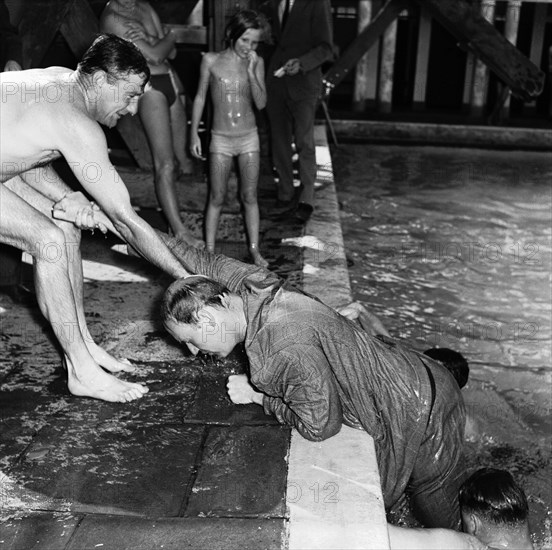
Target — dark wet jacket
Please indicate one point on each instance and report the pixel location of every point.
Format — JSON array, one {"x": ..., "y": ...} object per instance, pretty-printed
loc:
[
  {"x": 10, "y": 42},
  {"x": 318, "y": 370}
]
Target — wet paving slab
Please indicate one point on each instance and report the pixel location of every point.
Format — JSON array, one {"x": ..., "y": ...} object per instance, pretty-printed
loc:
[{"x": 182, "y": 467}]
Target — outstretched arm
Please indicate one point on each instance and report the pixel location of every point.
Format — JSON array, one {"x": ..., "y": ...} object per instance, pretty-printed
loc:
[
  {"x": 83, "y": 144},
  {"x": 223, "y": 269}
]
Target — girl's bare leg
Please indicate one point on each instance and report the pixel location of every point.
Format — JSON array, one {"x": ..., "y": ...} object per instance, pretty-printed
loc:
[
  {"x": 154, "y": 113},
  {"x": 179, "y": 129},
  {"x": 219, "y": 169},
  {"x": 249, "y": 164}
]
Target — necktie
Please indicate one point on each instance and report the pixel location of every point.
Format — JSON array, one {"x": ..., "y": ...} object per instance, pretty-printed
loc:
[{"x": 285, "y": 14}]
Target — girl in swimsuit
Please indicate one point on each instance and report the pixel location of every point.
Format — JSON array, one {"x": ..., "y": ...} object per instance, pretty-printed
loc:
[{"x": 235, "y": 77}]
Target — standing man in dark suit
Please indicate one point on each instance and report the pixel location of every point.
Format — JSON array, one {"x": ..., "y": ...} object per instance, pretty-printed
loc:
[
  {"x": 11, "y": 57},
  {"x": 302, "y": 31}
]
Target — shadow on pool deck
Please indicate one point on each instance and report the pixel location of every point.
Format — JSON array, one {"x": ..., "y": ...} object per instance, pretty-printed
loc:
[{"x": 182, "y": 467}]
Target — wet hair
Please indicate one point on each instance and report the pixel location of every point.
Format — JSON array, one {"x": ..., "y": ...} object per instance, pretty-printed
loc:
[
  {"x": 454, "y": 362},
  {"x": 115, "y": 56},
  {"x": 240, "y": 22},
  {"x": 494, "y": 496},
  {"x": 184, "y": 299}
]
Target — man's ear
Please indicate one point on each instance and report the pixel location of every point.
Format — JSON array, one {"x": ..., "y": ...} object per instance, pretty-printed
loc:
[
  {"x": 226, "y": 300},
  {"x": 469, "y": 521},
  {"x": 205, "y": 317},
  {"x": 99, "y": 77},
  {"x": 476, "y": 524}
]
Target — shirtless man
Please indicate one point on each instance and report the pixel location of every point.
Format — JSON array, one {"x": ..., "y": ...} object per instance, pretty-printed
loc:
[
  {"x": 54, "y": 112},
  {"x": 161, "y": 109}
]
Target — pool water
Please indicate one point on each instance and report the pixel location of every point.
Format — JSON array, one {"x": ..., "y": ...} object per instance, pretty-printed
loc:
[{"x": 451, "y": 247}]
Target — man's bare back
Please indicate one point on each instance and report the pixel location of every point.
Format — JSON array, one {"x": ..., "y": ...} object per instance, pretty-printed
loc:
[
  {"x": 31, "y": 100},
  {"x": 46, "y": 115}
]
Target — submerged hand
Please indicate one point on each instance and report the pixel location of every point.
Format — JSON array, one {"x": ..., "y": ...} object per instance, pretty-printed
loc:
[{"x": 355, "y": 311}]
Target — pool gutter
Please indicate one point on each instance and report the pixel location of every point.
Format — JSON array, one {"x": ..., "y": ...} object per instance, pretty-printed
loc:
[{"x": 333, "y": 491}]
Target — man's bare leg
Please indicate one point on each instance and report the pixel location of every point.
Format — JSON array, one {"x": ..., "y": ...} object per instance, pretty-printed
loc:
[
  {"x": 47, "y": 243},
  {"x": 73, "y": 238}
]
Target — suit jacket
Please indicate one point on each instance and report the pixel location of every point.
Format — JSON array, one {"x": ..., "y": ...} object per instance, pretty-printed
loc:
[
  {"x": 308, "y": 37},
  {"x": 10, "y": 43}
]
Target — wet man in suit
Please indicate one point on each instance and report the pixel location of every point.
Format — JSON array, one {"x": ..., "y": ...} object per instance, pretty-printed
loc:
[{"x": 302, "y": 31}]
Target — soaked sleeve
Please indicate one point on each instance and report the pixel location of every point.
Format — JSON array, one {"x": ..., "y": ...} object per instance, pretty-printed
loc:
[
  {"x": 223, "y": 269},
  {"x": 309, "y": 399}
]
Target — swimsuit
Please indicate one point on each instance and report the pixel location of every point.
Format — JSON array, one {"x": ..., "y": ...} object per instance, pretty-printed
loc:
[
  {"x": 232, "y": 145},
  {"x": 163, "y": 83}
]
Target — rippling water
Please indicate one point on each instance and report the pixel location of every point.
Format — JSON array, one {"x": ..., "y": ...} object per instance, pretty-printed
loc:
[{"x": 452, "y": 247}]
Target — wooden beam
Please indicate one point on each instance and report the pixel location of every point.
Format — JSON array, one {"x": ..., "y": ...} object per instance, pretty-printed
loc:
[
  {"x": 189, "y": 34},
  {"x": 79, "y": 27},
  {"x": 366, "y": 69},
  {"x": 511, "y": 26},
  {"x": 475, "y": 33},
  {"x": 38, "y": 28},
  {"x": 422, "y": 60},
  {"x": 537, "y": 45},
  {"x": 480, "y": 81},
  {"x": 387, "y": 66},
  {"x": 388, "y": 13}
]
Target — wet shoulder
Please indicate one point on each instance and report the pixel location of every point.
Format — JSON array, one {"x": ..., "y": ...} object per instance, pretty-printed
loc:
[{"x": 210, "y": 58}]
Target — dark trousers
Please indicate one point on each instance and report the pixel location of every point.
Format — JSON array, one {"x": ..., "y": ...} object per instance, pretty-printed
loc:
[
  {"x": 439, "y": 470},
  {"x": 292, "y": 121},
  {"x": 10, "y": 265}
]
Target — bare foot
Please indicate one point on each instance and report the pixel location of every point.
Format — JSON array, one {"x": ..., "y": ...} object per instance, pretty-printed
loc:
[
  {"x": 258, "y": 260},
  {"x": 107, "y": 361},
  {"x": 188, "y": 238},
  {"x": 186, "y": 169},
  {"x": 95, "y": 382}
]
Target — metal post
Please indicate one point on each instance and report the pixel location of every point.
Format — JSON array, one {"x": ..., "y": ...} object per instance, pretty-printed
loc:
[
  {"x": 386, "y": 68},
  {"x": 365, "y": 89},
  {"x": 481, "y": 72}
]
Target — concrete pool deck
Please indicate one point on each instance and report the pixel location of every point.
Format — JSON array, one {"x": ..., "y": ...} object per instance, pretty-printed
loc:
[{"x": 183, "y": 467}]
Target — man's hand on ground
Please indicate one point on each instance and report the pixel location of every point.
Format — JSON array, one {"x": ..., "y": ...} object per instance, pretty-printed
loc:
[{"x": 241, "y": 392}]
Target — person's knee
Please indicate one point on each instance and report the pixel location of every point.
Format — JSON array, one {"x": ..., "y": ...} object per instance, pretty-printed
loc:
[
  {"x": 52, "y": 244},
  {"x": 72, "y": 234},
  {"x": 249, "y": 197},
  {"x": 164, "y": 168},
  {"x": 216, "y": 198}
]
